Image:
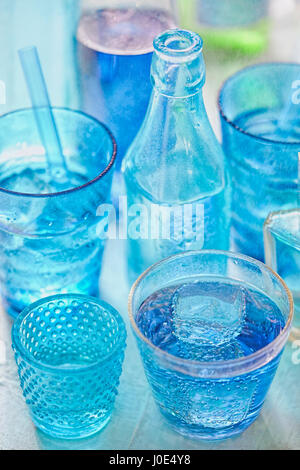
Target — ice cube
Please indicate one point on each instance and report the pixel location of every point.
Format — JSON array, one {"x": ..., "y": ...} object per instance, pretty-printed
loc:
[
  {"x": 226, "y": 403},
  {"x": 208, "y": 313},
  {"x": 21, "y": 217}
]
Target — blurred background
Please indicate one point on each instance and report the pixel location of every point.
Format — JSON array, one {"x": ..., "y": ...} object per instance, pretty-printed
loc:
[{"x": 235, "y": 32}]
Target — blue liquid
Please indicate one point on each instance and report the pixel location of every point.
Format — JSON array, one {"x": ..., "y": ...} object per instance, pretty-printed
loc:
[
  {"x": 51, "y": 248},
  {"x": 115, "y": 53},
  {"x": 261, "y": 183},
  {"x": 209, "y": 320},
  {"x": 207, "y": 227}
]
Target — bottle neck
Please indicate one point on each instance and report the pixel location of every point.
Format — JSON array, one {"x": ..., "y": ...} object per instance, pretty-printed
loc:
[{"x": 178, "y": 68}]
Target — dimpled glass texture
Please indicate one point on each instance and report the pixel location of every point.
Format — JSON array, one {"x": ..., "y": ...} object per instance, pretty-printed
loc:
[
  {"x": 50, "y": 240},
  {"x": 69, "y": 350},
  {"x": 210, "y": 327},
  {"x": 259, "y": 109}
]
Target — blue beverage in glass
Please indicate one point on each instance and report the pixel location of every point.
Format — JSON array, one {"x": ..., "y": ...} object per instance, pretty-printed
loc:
[
  {"x": 260, "y": 120},
  {"x": 282, "y": 253},
  {"x": 115, "y": 51},
  {"x": 69, "y": 351},
  {"x": 49, "y": 241},
  {"x": 210, "y": 328}
]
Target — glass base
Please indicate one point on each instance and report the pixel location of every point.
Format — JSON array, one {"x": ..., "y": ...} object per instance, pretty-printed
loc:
[
  {"x": 71, "y": 433},
  {"x": 210, "y": 434}
]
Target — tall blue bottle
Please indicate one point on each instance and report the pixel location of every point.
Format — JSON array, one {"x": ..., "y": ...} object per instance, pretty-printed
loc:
[{"x": 176, "y": 181}]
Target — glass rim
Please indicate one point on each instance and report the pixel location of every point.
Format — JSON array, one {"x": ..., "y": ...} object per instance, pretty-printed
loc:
[
  {"x": 231, "y": 122},
  {"x": 239, "y": 363},
  {"x": 56, "y": 369},
  {"x": 76, "y": 188},
  {"x": 267, "y": 227}
]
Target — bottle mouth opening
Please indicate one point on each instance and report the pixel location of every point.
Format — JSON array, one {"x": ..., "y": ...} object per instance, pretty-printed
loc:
[{"x": 177, "y": 43}]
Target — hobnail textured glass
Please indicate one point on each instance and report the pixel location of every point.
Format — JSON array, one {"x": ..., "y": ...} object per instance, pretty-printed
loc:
[{"x": 69, "y": 350}]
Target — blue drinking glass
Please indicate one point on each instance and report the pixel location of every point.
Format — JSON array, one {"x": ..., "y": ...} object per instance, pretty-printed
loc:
[
  {"x": 51, "y": 242},
  {"x": 69, "y": 350},
  {"x": 115, "y": 52},
  {"x": 259, "y": 109},
  {"x": 282, "y": 253},
  {"x": 211, "y": 327}
]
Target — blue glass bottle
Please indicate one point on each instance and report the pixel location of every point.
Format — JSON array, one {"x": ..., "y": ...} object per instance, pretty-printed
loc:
[{"x": 174, "y": 171}]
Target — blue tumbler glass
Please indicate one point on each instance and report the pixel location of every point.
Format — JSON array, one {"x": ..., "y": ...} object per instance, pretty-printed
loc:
[
  {"x": 51, "y": 242},
  {"x": 210, "y": 327},
  {"x": 260, "y": 119},
  {"x": 69, "y": 351}
]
